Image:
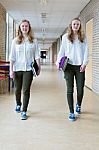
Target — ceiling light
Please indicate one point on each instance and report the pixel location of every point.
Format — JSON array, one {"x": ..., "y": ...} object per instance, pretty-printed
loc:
[
  {"x": 43, "y": 15},
  {"x": 43, "y": 2},
  {"x": 43, "y": 30}
]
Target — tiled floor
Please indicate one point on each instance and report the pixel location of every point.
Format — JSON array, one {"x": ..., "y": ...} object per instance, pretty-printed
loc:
[{"x": 48, "y": 127}]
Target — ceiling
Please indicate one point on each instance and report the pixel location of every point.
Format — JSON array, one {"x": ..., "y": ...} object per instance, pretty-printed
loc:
[{"x": 48, "y": 18}]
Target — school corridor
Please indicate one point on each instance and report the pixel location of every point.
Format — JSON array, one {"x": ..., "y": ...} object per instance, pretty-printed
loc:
[{"x": 47, "y": 126}]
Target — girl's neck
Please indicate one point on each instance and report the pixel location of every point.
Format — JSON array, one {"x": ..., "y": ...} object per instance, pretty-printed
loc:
[
  {"x": 75, "y": 32},
  {"x": 25, "y": 35},
  {"x": 75, "y": 35}
]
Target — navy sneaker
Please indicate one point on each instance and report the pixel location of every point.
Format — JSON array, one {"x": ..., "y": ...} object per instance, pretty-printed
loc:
[
  {"x": 23, "y": 115},
  {"x": 18, "y": 108},
  {"x": 72, "y": 117},
  {"x": 78, "y": 109}
]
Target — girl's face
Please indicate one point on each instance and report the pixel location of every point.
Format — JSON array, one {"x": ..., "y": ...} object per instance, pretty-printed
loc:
[
  {"x": 75, "y": 25},
  {"x": 24, "y": 27}
]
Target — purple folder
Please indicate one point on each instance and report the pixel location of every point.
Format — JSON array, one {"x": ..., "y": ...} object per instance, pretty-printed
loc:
[{"x": 63, "y": 63}]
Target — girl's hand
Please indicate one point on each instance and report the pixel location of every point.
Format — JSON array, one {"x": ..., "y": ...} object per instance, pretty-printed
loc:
[
  {"x": 11, "y": 74},
  {"x": 82, "y": 68}
]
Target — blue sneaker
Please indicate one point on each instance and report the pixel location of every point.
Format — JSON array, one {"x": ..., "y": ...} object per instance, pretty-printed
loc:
[
  {"x": 18, "y": 108},
  {"x": 72, "y": 117},
  {"x": 78, "y": 109},
  {"x": 23, "y": 115}
]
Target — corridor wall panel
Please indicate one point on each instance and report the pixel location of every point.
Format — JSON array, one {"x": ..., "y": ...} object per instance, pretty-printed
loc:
[
  {"x": 2, "y": 32},
  {"x": 91, "y": 11}
]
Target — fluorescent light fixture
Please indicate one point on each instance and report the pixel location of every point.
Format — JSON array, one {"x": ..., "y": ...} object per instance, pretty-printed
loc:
[
  {"x": 43, "y": 2},
  {"x": 43, "y": 30},
  {"x": 43, "y": 15}
]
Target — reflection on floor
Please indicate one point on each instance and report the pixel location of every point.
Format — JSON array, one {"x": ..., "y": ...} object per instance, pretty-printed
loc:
[{"x": 47, "y": 126}]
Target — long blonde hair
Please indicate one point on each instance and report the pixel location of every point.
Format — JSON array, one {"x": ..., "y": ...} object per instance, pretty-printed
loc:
[
  {"x": 80, "y": 33},
  {"x": 20, "y": 35}
]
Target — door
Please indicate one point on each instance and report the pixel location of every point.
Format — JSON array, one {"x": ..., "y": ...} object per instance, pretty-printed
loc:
[{"x": 89, "y": 33}]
